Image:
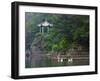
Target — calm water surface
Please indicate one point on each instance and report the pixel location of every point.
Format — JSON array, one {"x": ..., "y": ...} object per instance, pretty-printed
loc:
[{"x": 44, "y": 61}]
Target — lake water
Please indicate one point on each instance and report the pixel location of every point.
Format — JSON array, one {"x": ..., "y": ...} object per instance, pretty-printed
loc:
[{"x": 44, "y": 61}]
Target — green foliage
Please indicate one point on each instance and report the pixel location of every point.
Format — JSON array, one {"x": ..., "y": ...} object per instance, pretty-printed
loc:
[{"x": 67, "y": 31}]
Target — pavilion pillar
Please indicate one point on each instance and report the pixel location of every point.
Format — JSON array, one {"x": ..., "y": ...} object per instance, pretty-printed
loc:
[
  {"x": 47, "y": 29},
  {"x": 42, "y": 30}
]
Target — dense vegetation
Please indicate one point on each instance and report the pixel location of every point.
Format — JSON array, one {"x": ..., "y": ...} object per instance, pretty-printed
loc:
[{"x": 68, "y": 31}]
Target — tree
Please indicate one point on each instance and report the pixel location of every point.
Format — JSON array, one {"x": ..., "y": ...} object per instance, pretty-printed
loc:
[{"x": 67, "y": 30}]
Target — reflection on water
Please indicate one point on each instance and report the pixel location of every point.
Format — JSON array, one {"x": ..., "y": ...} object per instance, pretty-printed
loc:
[{"x": 45, "y": 61}]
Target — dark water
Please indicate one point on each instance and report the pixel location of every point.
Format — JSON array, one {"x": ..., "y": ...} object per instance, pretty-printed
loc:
[{"x": 44, "y": 61}]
